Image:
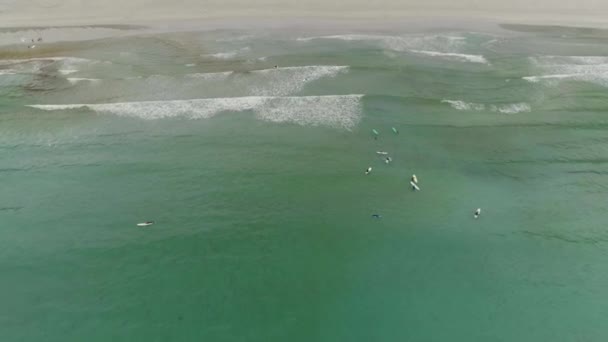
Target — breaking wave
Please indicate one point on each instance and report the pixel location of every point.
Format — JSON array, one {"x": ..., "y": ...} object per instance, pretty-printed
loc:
[
  {"x": 511, "y": 108},
  {"x": 342, "y": 111},
  {"x": 592, "y": 69}
]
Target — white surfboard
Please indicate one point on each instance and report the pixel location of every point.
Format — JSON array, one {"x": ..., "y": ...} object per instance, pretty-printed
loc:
[
  {"x": 382, "y": 153},
  {"x": 145, "y": 224},
  {"x": 414, "y": 186}
]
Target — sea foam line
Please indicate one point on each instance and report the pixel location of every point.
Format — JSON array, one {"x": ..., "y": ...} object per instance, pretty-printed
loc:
[
  {"x": 74, "y": 80},
  {"x": 228, "y": 54},
  {"x": 442, "y": 46},
  {"x": 459, "y": 56},
  {"x": 511, "y": 108},
  {"x": 536, "y": 79},
  {"x": 316, "y": 69},
  {"x": 341, "y": 111},
  {"x": 44, "y": 59}
]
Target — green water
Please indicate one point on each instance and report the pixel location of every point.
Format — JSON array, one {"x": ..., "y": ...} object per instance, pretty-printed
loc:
[{"x": 263, "y": 215}]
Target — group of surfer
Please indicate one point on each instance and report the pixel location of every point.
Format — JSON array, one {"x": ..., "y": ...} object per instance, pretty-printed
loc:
[
  {"x": 33, "y": 45},
  {"x": 413, "y": 179},
  {"x": 387, "y": 160}
]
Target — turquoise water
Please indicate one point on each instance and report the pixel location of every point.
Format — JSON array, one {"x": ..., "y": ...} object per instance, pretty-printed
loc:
[{"x": 254, "y": 176}]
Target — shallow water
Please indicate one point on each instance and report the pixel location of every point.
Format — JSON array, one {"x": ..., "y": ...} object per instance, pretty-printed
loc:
[{"x": 254, "y": 176}]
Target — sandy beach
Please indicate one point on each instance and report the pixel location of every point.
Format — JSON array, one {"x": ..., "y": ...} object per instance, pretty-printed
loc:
[{"x": 88, "y": 12}]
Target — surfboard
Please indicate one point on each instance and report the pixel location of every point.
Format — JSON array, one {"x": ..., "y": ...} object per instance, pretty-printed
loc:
[
  {"x": 414, "y": 186},
  {"x": 144, "y": 224},
  {"x": 382, "y": 153},
  {"x": 395, "y": 130},
  {"x": 375, "y": 132}
]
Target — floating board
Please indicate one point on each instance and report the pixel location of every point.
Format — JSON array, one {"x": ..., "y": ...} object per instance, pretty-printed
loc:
[
  {"x": 145, "y": 224},
  {"x": 395, "y": 130},
  {"x": 414, "y": 186},
  {"x": 375, "y": 132},
  {"x": 382, "y": 153}
]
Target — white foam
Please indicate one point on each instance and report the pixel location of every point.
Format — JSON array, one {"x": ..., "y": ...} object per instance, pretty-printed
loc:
[
  {"x": 347, "y": 37},
  {"x": 342, "y": 111},
  {"x": 289, "y": 80},
  {"x": 276, "y": 81},
  {"x": 568, "y": 60},
  {"x": 223, "y": 55},
  {"x": 7, "y": 72},
  {"x": 511, "y": 108},
  {"x": 228, "y": 54},
  {"x": 67, "y": 71},
  {"x": 457, "y": 56},
  {"x": 74, "y": 80},
  {"x": 445, "y": 43},
  {"x": 536, "y": 79},
  {"x": 461, "y": 105},
  {"x": 444, "y": 46},
  {"x": 593, "y": 69},
  {"x": 211, "y": 75}
]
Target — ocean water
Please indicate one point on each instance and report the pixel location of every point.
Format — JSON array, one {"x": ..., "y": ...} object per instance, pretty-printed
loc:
[{"x": 248, "y": 150}]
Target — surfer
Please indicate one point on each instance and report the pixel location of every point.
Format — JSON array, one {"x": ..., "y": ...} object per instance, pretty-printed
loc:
[
  {"x": 376, "y": 216},
  {"x": 414, "y": 179},
  {"x": 477, "y": 213},
  {"x": 369, "y": 169},
  {"x": 388, "y": 160}
]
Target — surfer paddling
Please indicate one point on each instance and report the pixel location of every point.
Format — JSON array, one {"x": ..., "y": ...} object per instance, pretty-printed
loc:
[
  {"x": 368, "y": 170},
  {"x": 477, "y": 213},
  {"x": 414, "y": 183}
]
